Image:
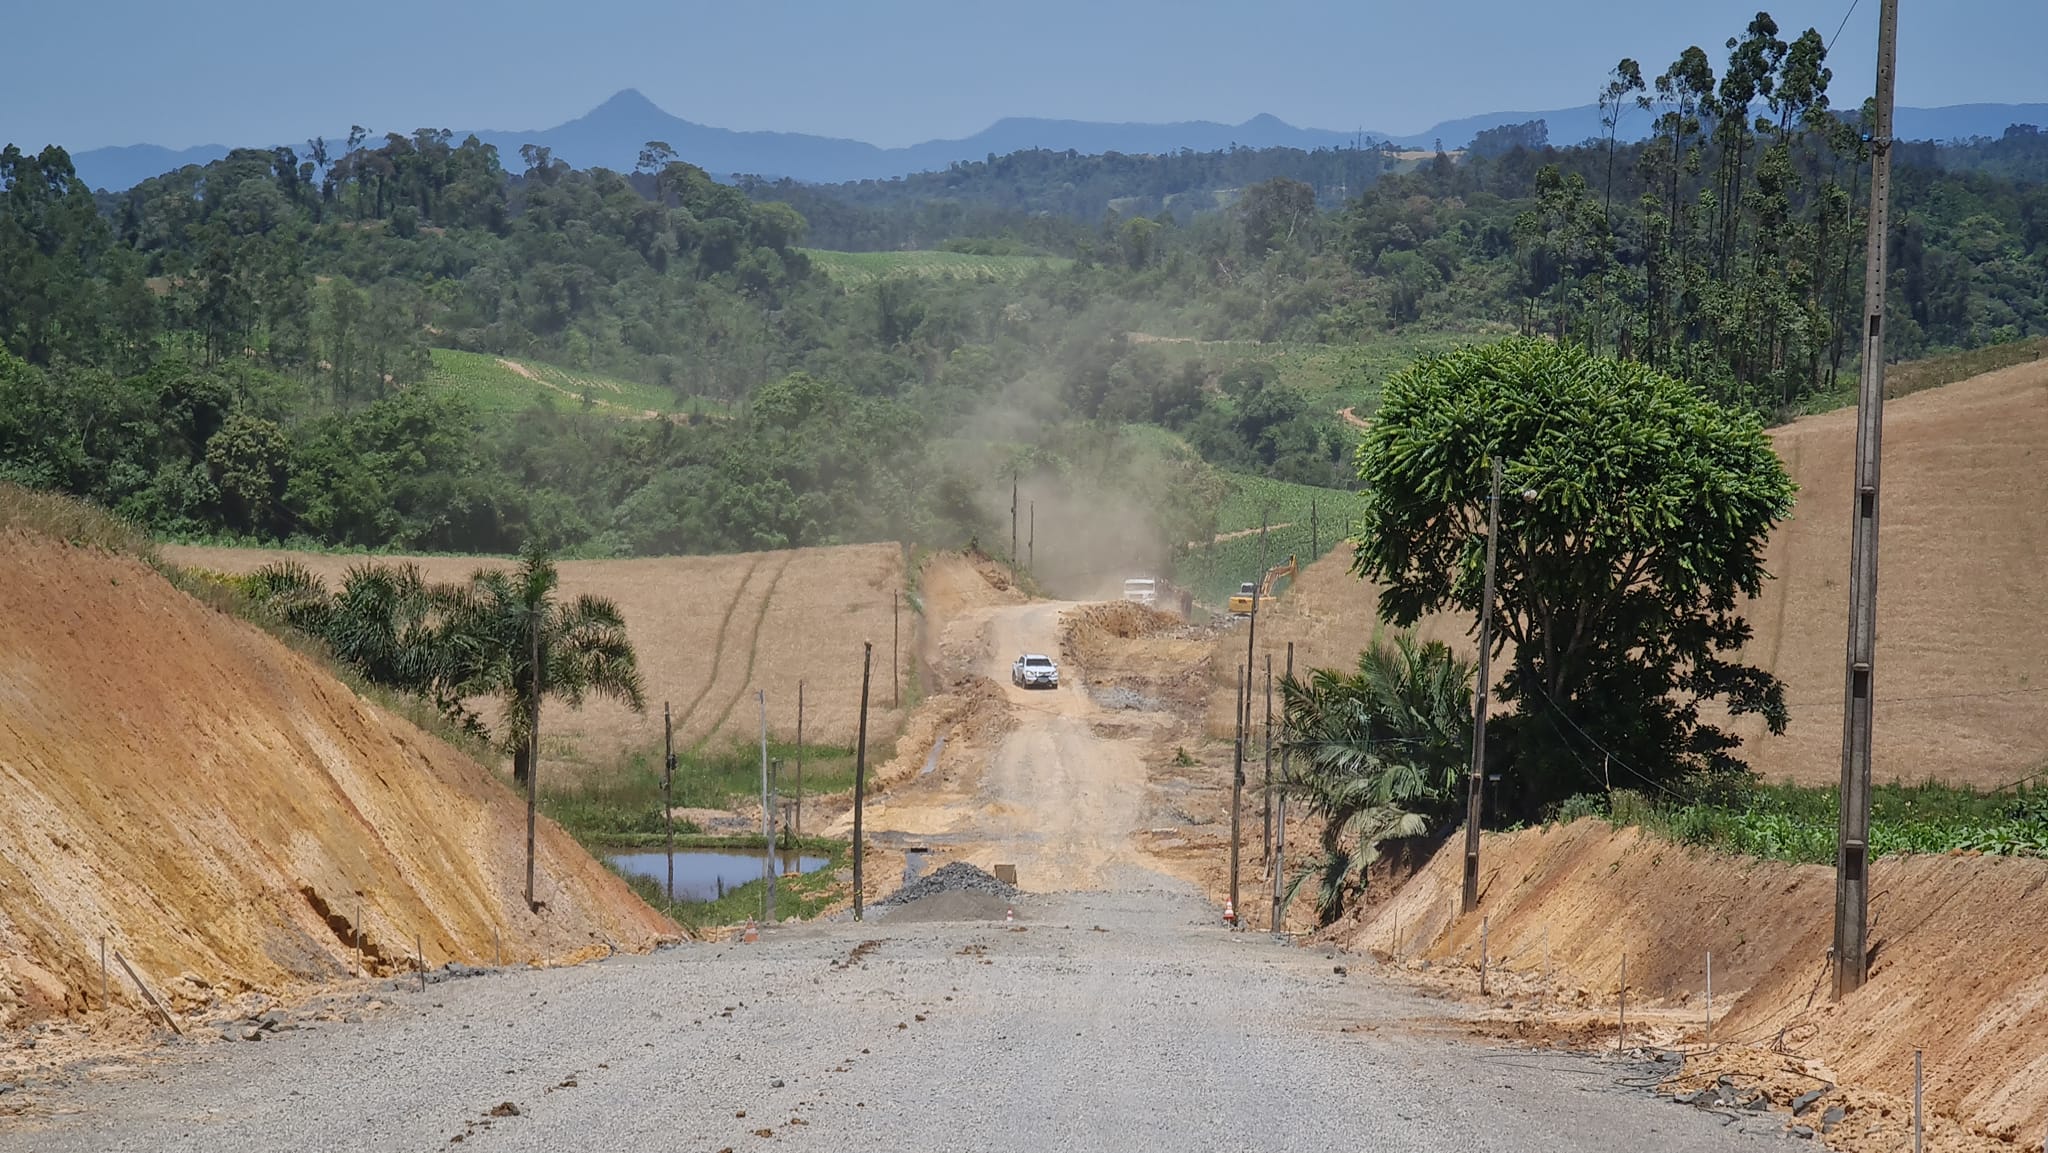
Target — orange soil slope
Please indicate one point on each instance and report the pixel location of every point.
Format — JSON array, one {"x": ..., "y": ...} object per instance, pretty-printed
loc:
[
  {"x": 709, "y": 631},
  {"x": 1957, "y": 970},
  {"x": 217, "y": 805},
  {"x": 1961, "y": 674}
]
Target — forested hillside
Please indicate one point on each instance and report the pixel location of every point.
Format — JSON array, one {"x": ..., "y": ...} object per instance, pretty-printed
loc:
[{"x": 247, "y": 349}]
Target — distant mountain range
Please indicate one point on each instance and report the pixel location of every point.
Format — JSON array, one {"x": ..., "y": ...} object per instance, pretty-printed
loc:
[{"x": 612, "y": 134}]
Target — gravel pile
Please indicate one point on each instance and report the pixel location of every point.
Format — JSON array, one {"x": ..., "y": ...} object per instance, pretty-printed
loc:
[{"x": 956, "y": 877}]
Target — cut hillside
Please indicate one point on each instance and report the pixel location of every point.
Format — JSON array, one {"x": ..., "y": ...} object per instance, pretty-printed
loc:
[
  {"x": 709, "y": 631},
  {"x": 1961, "y": 673},
  {"x": 229, "y": 815},
  {"x": 1956, "y": 967}
]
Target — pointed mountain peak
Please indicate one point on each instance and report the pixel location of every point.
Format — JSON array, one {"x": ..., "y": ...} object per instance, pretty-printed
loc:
[
  {"x": 627, "y": 102},
  {"x": 1266, "y": 120}
]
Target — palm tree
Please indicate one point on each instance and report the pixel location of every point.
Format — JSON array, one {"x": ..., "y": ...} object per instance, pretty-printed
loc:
[
  {"x": 505, "y": 625},
  {"x": 1380, "y": 755}
]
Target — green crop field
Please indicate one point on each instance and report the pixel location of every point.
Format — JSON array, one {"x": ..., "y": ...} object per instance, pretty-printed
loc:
[
  {"x": 852, "y": 269},
  {"x": 503, "y": 384},
  {"x": 1335, "y": 375},
  {"x": 1215, "y": 571}
]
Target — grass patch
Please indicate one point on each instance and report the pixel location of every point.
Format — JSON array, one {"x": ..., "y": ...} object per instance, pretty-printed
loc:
[
  {"x": 621, "y": 804},
  {"x": 75, "y": 522},
  {"x": 801, "y": 897},
  {"x": 1791, "y": 823},
  {"x": 854, "y": 269},
  {"x": 493, "y": 385}
]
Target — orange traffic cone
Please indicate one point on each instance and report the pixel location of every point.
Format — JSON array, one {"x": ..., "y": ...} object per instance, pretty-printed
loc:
[
  {"x": 1009, "y": 914},
  {"x": 1229, "y": 912},
  {"x": 752, "y": 934}
]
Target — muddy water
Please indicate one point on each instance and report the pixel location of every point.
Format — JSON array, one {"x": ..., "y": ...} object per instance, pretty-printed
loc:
[{"x": 706, "y": 875}]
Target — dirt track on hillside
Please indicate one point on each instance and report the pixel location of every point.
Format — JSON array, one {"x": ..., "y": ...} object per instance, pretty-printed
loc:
[
  {"x": 230, "y": 816},
  {"x": 709, "y": 631}
]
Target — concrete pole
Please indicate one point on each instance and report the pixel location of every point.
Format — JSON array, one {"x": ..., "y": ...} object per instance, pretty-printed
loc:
[{"x": 1852, "y": 877}]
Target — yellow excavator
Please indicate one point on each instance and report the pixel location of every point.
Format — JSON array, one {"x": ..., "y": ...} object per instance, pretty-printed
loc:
[{"x": 1241, "y": 601}]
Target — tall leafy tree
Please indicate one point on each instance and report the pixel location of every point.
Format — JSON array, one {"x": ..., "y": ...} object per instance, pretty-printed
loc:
[{"x": 1635, "y": 523}]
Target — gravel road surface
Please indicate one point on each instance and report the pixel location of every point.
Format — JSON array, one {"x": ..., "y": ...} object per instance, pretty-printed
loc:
[{"x": 1111, "y": 1020}]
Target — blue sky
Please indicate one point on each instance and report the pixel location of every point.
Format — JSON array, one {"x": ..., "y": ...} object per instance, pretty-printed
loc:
[{"x": 895, "y": 72}]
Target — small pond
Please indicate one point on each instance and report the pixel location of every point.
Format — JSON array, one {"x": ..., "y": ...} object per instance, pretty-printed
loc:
[{"x": 707, "y": 874}]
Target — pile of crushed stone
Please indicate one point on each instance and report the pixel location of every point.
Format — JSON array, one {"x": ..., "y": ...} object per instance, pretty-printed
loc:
[
  {"x": 954, "y": 905},
  {"x": 954, "y": 877}
]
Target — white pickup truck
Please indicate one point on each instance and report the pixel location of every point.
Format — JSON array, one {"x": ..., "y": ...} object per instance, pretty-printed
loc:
[{"x": 1034, "y": 671}]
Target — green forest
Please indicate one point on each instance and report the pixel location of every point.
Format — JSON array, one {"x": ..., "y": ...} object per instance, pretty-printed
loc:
[{"x": 409, "y": 342}]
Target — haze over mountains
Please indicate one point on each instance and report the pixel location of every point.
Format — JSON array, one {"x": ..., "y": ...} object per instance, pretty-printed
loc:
[{"x": 612, "y": 134}]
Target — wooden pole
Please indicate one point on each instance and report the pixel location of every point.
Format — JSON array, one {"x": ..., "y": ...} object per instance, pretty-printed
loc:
[
  {"x": 860, "y": 779},
  {"x": 419, "y": 960},
  {"x": 1031, "y": 542},
  {"x": 1475, "y": 786},
  {"x": 799, "y": 759},
  {"x": 895, "y": 642},
  {"x": 1852, "y": 880},
  {"x": 147, "y": 995},
  {"x": 1266, "y": 796},
  {"x": 1482, "y": 956},
  {"x": 1919, "y": 1117},
  {"x": 360, "y": 971},
  {"x": 767, "y": 818},
  {"x": 668, "y": 793},
  {"x": 1280, "y": 817},
  {"x": 1710, "y": 996},
  {"x": 1013, "y": 526},
  {"x": 1622, "y": 1033},
  {"x": 106, "y": 1002},
  {"x": 532, "y": 754},
  {"x": 1237, "y": 783}
]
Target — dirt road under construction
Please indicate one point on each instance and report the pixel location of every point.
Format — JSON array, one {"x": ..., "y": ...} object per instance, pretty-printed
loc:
[{"x": 1116, "y": 1012}]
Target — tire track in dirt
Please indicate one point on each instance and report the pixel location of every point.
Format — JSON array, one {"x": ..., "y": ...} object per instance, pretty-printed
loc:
[
  {"x": 753, "y": 650},
  {"x": 682, "y": 722}
]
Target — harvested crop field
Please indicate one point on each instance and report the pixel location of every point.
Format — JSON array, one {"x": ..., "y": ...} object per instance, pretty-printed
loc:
[
  {"x": 1962, "y": 673},
  {"x": 230, "y": 816},
  {"x": 709, "y": 632},
  {"x": 1956, "y": 968}
]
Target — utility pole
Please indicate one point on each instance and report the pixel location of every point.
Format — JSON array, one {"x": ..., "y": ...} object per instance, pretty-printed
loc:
[
  {"x": 1266, "y": 738},
  {"x": 1475, "y": 787},
  {"x": 1315, "y": 536},
  {"x": 1031, "y": 542},
  {"x": 1237, "y": 779},
  {"x": 668, "y": 794},
  {"x": 767, "y": 817},
  {"x": 860, "y": 778},
  {"x": 895, "y": 643},
  {"x": 532, "y": 749},
  {"x": 1013, "y": 526},
  {"x": 799, "y": 758},
  {"x": 1280, "y": 818},
  {"x": 1852, "y": 856}
]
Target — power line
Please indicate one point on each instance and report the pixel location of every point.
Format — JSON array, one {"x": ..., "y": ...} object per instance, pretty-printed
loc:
[{"x": 1843, "y": 24}]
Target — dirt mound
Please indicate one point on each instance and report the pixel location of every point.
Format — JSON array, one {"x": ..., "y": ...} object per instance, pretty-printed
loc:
[
  {"x": 230, "y": 817},
  {"x": 1957, "y": 968},
  {"x": 1962, "y": 675},
  {"x": 708, "y": 631},
  {"x": 1134, "y": 657}
]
